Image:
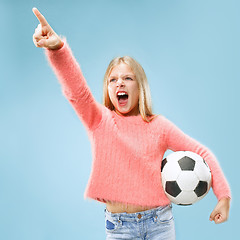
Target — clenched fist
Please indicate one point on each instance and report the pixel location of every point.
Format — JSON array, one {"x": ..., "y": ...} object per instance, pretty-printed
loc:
[{"x": 44, "y": 35}]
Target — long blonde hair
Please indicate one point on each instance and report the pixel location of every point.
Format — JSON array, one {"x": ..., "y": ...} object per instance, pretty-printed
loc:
[{"x": 145, "y": 102}]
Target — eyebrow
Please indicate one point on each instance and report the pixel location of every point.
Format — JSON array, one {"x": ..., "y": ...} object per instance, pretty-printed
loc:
[{"x": 127, "y": 75}]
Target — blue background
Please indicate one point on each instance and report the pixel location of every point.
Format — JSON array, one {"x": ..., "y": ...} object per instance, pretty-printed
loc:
[{"x": 190, "y": 52}]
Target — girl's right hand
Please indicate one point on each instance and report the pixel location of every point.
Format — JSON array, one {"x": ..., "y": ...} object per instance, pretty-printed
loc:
[{"x": 44, "y": 35}]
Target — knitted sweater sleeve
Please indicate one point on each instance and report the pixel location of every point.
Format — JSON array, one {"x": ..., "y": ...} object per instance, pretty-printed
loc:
[
  {"x": 74, "y": 86},
  {"x": 177, "y": 140}
]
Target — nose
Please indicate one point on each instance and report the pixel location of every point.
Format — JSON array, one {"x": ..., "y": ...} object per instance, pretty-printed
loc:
[{"x": 120, "y": 82}]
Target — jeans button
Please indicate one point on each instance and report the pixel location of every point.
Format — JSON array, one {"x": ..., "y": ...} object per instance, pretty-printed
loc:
[{"x": 139, "y": 216}]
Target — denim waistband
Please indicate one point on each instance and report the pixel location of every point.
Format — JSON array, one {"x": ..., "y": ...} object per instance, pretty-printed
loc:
[{"x": 138, "y": 215}]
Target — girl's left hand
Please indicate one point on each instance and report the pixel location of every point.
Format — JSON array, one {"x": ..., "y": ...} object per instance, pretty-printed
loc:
[{"x": 221, "y": 212}]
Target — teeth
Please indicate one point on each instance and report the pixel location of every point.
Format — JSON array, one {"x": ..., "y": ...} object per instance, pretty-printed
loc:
[{"x": 121, "y": 94}]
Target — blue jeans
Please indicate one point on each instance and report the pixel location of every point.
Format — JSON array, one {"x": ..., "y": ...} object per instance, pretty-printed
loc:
[{"x": 153, "y": 224}]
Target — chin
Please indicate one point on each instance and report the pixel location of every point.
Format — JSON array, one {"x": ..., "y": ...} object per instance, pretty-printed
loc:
[{"x": 122, "y": 112}]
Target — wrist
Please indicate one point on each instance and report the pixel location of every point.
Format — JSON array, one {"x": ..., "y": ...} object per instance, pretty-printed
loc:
[
  {"x": 57, "y": 46},
  {"x": 225, "y": 200}
]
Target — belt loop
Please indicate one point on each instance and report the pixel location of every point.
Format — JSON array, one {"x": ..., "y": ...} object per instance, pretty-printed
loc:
[
  {"x": 155, "y": 215},
  {"x": 119, "y": 220}
]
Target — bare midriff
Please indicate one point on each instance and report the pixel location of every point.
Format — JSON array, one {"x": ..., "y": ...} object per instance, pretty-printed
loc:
[{"x": 116, "y": 207}]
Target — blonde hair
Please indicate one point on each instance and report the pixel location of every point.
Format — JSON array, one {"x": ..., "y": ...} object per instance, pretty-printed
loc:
[{"x": 145, "y": 102}]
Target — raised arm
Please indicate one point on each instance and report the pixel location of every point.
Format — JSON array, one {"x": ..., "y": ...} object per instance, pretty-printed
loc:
[{"x": 69, "y": 74}]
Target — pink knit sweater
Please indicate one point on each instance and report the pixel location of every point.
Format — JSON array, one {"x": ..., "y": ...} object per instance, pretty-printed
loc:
[{"x": 127, "y": 151}]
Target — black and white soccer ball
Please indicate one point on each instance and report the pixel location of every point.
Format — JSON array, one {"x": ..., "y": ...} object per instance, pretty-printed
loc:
[{"x": 186, "y": 177}]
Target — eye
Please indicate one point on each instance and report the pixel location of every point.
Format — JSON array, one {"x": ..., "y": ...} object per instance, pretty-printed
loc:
[
  {"x": 112, "y": 80},
  {"x": 128, "y": 78}
]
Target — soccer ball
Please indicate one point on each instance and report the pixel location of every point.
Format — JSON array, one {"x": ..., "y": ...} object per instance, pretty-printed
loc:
[{"x": 186, "y": 177}]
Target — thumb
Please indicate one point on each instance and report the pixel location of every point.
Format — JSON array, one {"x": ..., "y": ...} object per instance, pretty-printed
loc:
[
  {"x": 42, "y": 43},
  {"x": 53, "y": 42},
  {"x": 216, "y": 217},
  {"x": 213, "y": 214}
]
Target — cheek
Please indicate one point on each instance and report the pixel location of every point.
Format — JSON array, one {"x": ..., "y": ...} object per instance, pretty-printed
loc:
[
  {"x": 111, "y": 93},
  {"x": 136, "y": 98},
  {"x": 136, "y": 95}
]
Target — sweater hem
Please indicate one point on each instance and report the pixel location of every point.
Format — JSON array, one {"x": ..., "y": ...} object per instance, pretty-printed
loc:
[{"x": 126, "y": 202}]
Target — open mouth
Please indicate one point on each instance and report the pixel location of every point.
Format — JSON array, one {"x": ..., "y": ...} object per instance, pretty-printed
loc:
[{"x": 122, "y": 98}]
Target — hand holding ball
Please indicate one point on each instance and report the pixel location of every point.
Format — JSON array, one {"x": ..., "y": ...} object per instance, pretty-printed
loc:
[{"x": 186, "y": 177}]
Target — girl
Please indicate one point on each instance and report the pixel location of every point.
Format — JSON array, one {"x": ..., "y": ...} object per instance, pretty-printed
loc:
[{"x": 128, "y": 143}]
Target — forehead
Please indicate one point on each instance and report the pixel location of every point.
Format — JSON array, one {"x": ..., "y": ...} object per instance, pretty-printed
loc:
[{"x": 121, "y": 69}]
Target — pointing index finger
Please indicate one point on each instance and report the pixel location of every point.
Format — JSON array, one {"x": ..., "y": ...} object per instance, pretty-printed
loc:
[{"x": 40, "y": 17}]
